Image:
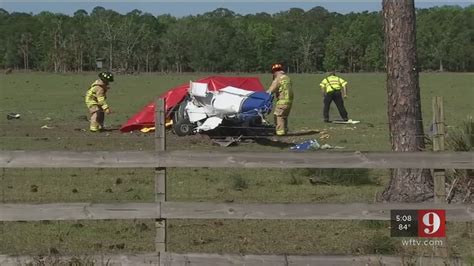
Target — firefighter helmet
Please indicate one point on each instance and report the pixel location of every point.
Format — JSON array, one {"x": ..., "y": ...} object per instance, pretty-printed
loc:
[
  {"x": 276, "y": 67},
  {"x": 106, "y": 76}
]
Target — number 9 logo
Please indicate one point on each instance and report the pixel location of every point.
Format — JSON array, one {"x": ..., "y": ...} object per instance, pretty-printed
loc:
[{"x": 431, "y": 223}]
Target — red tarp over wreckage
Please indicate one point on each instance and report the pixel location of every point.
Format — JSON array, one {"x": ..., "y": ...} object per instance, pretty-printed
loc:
[{"x": 146, "y": 117}]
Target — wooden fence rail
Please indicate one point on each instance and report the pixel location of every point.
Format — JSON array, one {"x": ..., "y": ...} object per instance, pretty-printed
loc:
[
  {"x": 204, "y": 259},
  {"x": 205, "y": 210},
  {"x": 219, "y": 159}
]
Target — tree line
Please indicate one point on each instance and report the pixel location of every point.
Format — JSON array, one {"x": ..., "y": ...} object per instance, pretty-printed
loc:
[{"x": 223, "y": 41}]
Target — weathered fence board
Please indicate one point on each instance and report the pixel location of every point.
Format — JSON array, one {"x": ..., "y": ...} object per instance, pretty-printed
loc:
[
  {"x": 69, "y": 159},
  {"x": 213, "y": 159},
  {"x": 190, "y": 210},
  {"x": 107, "y": 259},
  {"x": 374, "y": 160},
  {"x": 353, "y": 211},
  {"x": 77, "y": 211},
  {"x": 174, "y": 259}
]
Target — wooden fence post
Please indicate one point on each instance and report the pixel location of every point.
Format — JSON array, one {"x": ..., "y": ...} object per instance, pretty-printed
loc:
[
  {"x": 439, "y": 175},
  {"x": 160, "y": 175}
]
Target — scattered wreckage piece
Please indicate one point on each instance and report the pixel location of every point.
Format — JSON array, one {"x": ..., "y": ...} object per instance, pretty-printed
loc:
[
  {"x": 11, "y": 116},
  {"x": 350, "y": 121},
  {"x": 227, "y": 141}
]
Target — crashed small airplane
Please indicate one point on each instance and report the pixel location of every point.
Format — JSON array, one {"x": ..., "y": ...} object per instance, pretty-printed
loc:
[
  {"x": 211, "y": 103},
  {"x": 204, "y": 110}
]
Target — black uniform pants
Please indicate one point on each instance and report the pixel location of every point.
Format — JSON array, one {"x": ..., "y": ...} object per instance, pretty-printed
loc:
[{"x": 335, "y": 96}]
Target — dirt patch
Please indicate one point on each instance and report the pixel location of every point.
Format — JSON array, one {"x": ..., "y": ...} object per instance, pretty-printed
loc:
[{"x": 186, "y": 141}]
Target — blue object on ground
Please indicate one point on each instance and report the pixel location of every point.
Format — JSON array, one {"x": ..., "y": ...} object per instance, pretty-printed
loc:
[{"x": 310, "y": 144}]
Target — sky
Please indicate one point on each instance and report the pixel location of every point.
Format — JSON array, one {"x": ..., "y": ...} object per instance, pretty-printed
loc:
[{"x": 192, "y": 7}]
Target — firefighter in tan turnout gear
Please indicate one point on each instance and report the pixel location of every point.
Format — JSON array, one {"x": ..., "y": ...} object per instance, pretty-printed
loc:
[
  {"x": 96, "y": 101},
  {"x": 281, "y": 87}
]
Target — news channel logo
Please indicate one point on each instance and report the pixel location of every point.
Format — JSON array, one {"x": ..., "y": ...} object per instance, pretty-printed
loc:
[{"x": 418, "y": 223}]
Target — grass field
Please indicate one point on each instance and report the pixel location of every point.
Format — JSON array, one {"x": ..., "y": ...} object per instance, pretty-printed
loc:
[
  {"x": 57, "y": 101},
  {"x": 40, "y": 96}
]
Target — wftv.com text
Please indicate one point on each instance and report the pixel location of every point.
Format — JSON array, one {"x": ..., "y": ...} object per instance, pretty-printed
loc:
[{"x": 428, "y": 242}]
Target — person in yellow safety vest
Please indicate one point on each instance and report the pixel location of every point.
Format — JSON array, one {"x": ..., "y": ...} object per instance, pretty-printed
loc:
[
  {"x": 331, "y": 87},
  {"x": 96, "y": 101},
  {"x": 282, "y": 88}
]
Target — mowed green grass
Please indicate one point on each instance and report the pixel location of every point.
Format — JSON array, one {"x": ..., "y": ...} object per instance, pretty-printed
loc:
[{"x": 57, "y": 101}]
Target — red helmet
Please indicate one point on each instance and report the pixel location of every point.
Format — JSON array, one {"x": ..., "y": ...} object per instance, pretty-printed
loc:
[{"x": 276, "y": 67}]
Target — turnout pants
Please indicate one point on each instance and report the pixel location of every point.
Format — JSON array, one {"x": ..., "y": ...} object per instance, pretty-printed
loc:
[
  {"x": 335, "y": 96},
  {"x": 96, "y": 118},
  {"x": 282, "y": 111}
]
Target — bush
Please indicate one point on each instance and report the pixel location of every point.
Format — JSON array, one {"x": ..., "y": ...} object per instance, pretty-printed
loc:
[{"x": 462, "y": 138}]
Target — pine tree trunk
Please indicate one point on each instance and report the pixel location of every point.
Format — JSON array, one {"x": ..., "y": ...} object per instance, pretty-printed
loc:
[
  {"x": 147, "y": 63},
  {"x": 81, "y": 61},
  {"x": 404, "y": 104},
  {"x": 24, "y": 61},
  {"x": 110, "y": 55}
]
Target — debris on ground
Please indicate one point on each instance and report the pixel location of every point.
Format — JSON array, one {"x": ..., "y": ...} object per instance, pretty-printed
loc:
[
  {"x": 11, "y": 116},
  {"x": 47, "y": 118},
  {"x": 350, "y": 121},
  {"x": 312, "y": 144},
  {"x": 327, "y": 147},
  {"x": 324, "y": 135},
  {"x": 147, "y": 129},
  {"x": 46, "y": 127},
  {"x": 228, "y": 141}
]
